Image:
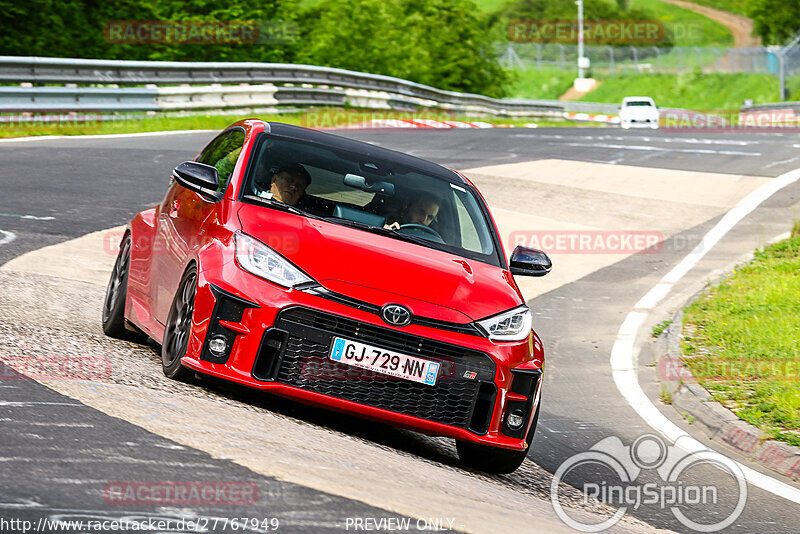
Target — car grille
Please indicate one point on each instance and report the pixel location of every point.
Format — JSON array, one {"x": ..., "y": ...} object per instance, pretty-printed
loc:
[{"x": 454, "y": 400}]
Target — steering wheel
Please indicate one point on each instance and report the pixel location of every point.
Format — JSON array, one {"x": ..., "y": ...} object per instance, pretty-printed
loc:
[{"x": 425, "y": 230}]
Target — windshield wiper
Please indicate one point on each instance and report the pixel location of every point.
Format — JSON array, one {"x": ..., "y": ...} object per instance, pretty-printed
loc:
[
  {"x": 281, "y": 206},
  {"x": 382, "y": 231}
]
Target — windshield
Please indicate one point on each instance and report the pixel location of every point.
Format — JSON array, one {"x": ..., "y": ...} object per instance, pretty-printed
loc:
[
  {"x": 639, "y": 103},
  {"x": 370, "y": 194}
]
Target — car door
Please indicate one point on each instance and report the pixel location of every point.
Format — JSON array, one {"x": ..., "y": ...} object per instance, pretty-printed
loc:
[{"x": 182, "y": 217}]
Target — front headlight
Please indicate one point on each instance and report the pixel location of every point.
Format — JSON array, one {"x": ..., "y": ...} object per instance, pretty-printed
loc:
[
  {"x": 257, "y": 258},
  {"x": 513, "y": 325}
]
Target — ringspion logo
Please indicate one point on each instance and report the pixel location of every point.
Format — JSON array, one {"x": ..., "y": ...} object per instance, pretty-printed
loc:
[{"x": 651, "y": 473}]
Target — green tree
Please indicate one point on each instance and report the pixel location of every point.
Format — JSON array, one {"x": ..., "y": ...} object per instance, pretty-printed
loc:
[
  {"x": 776, "y": 21},
  {"x": 454, "y": 50},
  {"x": 443, "y": 43},
  {"x": 358, "y": 35},
  {"x": 75, "y": 28}
]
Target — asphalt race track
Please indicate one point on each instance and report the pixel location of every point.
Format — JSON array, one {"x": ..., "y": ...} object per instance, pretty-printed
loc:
[{"x": 65, "y": 441}]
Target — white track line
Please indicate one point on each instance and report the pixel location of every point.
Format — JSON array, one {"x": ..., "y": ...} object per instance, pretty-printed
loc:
[
  {"x": 7, "y": 237},
  {"x": 623, "y": 362},
  {"x": 650, "y": 148},
  {"x": 101, "y": 136}
]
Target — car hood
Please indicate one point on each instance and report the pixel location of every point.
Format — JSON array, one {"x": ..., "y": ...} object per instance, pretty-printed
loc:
[
  {"x": 382, "y": 270},
  {"x": 640, "y": 111}
]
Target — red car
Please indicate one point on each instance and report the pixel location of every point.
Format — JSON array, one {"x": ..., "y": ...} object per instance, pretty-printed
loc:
[{"x": 341, "y": 275}]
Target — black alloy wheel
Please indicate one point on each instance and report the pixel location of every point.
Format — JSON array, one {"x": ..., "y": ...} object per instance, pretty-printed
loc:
[
  {"x": 114, "y": 303},
  {"x": 179, "y": 326}
]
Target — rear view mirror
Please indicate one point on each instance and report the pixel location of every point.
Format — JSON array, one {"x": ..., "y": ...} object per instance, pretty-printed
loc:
[
  {"x": 359, "y": 182},
  {"x": 530, "y": 262},
  {"x": 200, "y": 178}
]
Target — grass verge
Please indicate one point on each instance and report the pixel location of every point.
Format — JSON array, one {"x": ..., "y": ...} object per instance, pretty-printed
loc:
[
  {"x": 732, "y": 6},
  {"x": 693, "y": 90},
  {"x": 742, "y": 341},
  {"x": 660, "y": 327},
  {"x": 546, "y": 84},
  {"x": 312, "y": 118},
  {"x": 688, "y": 28}
]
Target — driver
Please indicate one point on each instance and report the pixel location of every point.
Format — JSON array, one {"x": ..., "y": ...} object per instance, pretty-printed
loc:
[
  {"x": 422, "y": 209},
  {"x": 288, "y": 184}
]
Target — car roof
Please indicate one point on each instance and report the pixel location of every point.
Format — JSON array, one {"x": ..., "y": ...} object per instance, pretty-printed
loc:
[
  {"x": 360, "y": 147},
  {"x": 633, "y": 98}
]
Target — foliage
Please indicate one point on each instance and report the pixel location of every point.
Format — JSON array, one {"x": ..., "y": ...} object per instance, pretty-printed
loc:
[
  {"x": 436, "y": 42},
  {"x": 443, "y": 43},
  {"x": 776, "y": 21},
  {"x": 74, "y": 28}
]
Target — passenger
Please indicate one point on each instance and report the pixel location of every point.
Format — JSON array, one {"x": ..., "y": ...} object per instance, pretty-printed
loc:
[{"x": 288, "y": 184}]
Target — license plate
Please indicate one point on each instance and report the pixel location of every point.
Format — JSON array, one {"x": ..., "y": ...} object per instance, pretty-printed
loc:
[{"x": 383, "y": 361}]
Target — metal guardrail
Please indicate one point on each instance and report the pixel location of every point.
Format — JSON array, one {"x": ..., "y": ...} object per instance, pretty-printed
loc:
[
  {"x": 769, "y": 107},
  {"x": 20, "y": 99},
  {"x": 782, "y": 114},
  {"x": 268, "y": 85}
]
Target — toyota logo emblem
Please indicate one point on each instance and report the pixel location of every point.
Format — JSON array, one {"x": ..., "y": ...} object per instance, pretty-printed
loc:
[{"x": 396, "y": 315}]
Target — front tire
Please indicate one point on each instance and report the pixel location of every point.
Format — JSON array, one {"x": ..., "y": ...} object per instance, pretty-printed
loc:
[
  {"x": 116, "y": 293},
  {"x": 179, "y": 327},
  {"x": 495, "y": 460}
]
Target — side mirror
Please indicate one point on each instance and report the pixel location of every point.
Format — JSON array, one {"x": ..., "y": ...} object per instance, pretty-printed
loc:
[
  {"x": 200, "y": 178},
  {"x": 530, "y": 262}
]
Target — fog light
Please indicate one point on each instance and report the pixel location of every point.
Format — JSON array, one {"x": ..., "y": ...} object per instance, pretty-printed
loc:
[
  {"x": 515, "y": 420},
  {"x": 218, "y": 345}
]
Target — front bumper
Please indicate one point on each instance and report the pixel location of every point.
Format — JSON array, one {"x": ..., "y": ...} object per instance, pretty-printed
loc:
[
  {"x": 280, "y": 340},
  {"x": 639, "y": 123}
]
